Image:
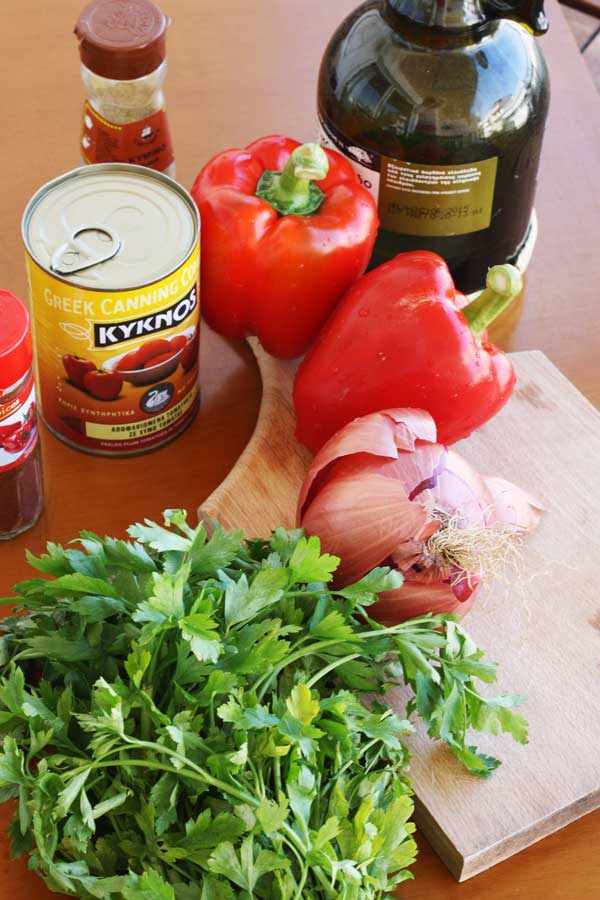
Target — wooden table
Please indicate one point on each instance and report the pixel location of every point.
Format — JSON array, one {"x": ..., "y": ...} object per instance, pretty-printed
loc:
[{"x": 239, "y": 70}]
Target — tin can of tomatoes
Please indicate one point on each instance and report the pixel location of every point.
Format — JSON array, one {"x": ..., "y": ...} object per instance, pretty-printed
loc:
[{"x": 113, "y": 254}]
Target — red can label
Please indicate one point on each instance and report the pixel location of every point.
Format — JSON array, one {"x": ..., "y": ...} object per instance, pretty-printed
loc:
[
  {"x": 143, "y": 143},
  {"x": 18, "y": 428}
]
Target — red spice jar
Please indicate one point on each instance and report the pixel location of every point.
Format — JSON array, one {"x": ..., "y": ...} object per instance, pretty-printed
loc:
[{"x": 20, "y": 468}]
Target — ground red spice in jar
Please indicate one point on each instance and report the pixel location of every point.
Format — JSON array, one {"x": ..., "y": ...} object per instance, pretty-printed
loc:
[{"x": 20, "y": 469}]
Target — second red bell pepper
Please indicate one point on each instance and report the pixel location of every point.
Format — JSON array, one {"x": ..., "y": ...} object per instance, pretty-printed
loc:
[
  {"x": 403, "y": 336},
  {"x": 286, "y": 229}
]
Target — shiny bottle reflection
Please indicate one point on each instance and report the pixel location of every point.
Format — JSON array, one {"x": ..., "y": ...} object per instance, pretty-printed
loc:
[{"x": 444, "y": 84}]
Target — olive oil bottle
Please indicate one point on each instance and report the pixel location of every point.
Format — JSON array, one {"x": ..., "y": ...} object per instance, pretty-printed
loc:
[{"x": 440, "y": 105}]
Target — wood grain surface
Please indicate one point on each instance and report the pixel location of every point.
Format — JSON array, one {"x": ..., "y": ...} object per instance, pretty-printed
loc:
[
  {"x": 541, "y": 624},
  {"x": 238, "y": 70}
]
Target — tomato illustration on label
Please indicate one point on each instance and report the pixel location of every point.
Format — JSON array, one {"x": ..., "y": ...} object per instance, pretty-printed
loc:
[
  {"x": 157, "y": 360},
  {"x": 157, "y": 352},
  {"x": 77, "y": 368},
  {"x": 103, "y": 385},
  {"x": 127, "y": 363},
  {"x": 178, "y": 342},
  {"x": 156, "y": 347}
]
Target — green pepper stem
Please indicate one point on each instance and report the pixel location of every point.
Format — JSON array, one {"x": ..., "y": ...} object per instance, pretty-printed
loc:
[
  {"x": 293, "y": 190},
  {"x": 503, "y": 284}
]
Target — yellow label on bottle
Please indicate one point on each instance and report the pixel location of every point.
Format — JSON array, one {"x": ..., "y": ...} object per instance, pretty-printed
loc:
[{"x": 436, "y": 201}]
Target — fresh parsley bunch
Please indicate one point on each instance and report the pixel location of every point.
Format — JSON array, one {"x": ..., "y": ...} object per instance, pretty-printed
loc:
[{"x": 182, "y": 719}]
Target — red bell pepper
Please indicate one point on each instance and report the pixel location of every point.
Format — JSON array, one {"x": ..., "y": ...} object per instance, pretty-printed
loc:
[
  {"x": 403, "y": 336},
  {"x": 286, "y": 229}
]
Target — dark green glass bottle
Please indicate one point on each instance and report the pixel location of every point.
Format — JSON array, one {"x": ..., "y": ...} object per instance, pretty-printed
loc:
[{"x": 440, "y": 105}]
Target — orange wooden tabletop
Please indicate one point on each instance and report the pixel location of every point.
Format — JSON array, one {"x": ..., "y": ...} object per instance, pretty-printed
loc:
[{"x": 238, "y": 70}]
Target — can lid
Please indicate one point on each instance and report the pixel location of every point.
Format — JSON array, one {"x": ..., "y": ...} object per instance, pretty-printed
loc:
[
  {"x": 111, "y": 226},
  {"x": 122, "y": 39},
  {"x": 15, "y": 340}
]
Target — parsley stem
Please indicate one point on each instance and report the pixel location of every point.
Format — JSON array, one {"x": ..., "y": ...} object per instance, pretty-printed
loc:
[
  {"x": 150, "y": 671},
  {"x": 179, "y": 870},
  {"x": 314, "y": 649},
  {"x": 145, "y": 723},
  {"x": 324, "y": 882},
  {"x": 277, "y": 775},
  {"x": 115, "y": 826},
  {"x": 393, "y": 630},
  {"x": 181, "y": 773},
  {"x": 298, "y": 895},
  {"x": 294, "y": 850},
  {"x": 311, "y": 649},
  {"x": 295, "y": 840},
  {"x": 334, "y": 665},
  {"x": 250, "y": 567},
  {"x": 257, "y": 779},
  {"x": 347, "y": 765},
  {"x": 173, "y": 754}
]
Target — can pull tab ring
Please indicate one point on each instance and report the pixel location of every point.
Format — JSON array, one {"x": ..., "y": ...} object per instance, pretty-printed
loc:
[{"x": 76, "y": 254}]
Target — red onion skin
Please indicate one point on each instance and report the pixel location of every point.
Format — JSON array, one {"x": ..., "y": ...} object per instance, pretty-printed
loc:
[{"x": 395, "y": 607}]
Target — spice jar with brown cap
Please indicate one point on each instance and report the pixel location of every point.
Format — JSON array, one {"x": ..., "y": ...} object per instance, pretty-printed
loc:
[
  {"x": 20, "y": 470},
  {"x": 122, "y": 45}
]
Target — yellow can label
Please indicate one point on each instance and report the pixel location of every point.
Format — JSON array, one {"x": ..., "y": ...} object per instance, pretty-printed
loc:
[{"x": 117, "y": 370}]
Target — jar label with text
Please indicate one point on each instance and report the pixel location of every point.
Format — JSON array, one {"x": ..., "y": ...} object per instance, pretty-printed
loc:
[
  {"x": 419, "y": 199},
  {"x": 143, "y": 143},
  {"x": 18, "y": 428}
]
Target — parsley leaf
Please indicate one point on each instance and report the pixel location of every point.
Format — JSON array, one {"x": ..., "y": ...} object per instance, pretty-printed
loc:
[
  {"x": 218, "y": 553},
  {"x": 149, "y": 886},
  {"x": 307, "y": 564},
  {"x": 244, "y": 601},
  {"x": 201, "y": 631},
  {"x": 365, "y": 591},
  {"x": 301, "y": 705}
]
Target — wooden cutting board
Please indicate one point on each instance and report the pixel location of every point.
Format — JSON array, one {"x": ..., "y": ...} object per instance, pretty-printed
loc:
[{"x": 544, "y": 631}]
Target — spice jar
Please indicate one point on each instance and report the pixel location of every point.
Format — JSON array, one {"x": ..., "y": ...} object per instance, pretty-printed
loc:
[
  {"x": 20, "y": 469},
  {"x": 122, "y": 45}
]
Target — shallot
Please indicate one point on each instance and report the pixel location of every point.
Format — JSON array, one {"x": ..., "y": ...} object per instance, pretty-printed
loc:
[{"x": 382, "y": 492}]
